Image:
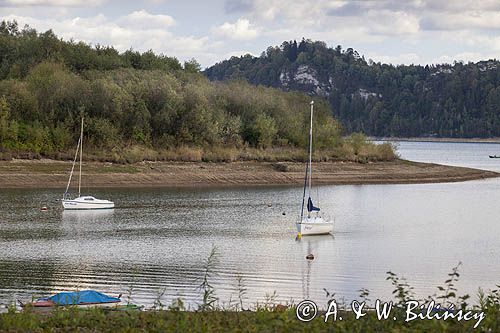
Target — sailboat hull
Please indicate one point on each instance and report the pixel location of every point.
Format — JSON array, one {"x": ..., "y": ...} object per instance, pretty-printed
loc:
[
  {"x": 82, "y": 203},
  {"x": 314, "y": 226}
]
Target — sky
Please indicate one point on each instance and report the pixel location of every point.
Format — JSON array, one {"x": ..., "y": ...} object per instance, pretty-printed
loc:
[{"x": 389, "y": 31}]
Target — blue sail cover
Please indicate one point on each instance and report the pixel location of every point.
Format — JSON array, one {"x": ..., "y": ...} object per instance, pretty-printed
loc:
[
  {"x": 81, "y": 297},
  {"x": 310, "y": 206}
]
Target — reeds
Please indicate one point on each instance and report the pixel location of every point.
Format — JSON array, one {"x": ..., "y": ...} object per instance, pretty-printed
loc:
[{"x": 361, "y": 151}]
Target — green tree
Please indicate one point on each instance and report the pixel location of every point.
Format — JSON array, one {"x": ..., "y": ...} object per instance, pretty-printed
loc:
[
  {"x": 4, "y": 118},
  {"x": 357, "y": 141},
  {"x": 192, "y": 66},
  {"x": 262, "y": 131}
]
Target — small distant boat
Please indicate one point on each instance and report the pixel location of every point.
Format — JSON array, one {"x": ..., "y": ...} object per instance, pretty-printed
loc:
[
  {"x": 312, "y": 223},
  {"x": 494, "y": 156},
  {"x": 82, "y": 202},
  {"x": 83, "y": 299}
]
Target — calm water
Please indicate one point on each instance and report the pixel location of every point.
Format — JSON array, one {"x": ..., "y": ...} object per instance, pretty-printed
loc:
[
  {"x": 158, "y": 239},
  {"x": 473, "y": 155}
]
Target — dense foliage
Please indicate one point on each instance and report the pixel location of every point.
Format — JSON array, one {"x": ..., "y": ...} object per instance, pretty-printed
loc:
[
  {"x": 133, "y": 99},
  {"x": 22, "y": 49},
  {"x": 459, "y": 100}
]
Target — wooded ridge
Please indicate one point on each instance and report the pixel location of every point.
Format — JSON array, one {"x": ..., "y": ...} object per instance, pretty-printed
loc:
[{"x": 448, "y": 100}]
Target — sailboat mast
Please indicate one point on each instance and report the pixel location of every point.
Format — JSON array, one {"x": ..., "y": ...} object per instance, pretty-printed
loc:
[
  {"x": 72, "y": 169},
  {"x": 310, "y": 147},
  {"x": 81, "y": 151}
]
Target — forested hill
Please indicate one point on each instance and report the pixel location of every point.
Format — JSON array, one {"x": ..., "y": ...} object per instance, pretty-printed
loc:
[
  {"x": 459, "y": 100},
  {"x": 147, "y": 106}
]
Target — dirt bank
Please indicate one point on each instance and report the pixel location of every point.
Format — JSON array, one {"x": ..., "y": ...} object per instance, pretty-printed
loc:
[{"x": 50, "y": 174}]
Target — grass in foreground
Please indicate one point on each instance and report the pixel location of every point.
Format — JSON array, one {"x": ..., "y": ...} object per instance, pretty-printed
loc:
[{"x": 276, "y": 319}]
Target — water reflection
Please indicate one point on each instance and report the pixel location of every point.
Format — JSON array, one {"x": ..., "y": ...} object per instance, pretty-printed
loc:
[
  {"x": 311, "y": 246},
  {"x": 86, "y": 215},
  {"x": 81, "y": 222}
]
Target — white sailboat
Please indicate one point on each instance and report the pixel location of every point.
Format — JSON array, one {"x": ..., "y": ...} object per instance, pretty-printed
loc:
[
  {"x": 82, "y": 202},
  {"x": 311, "y": 223}
]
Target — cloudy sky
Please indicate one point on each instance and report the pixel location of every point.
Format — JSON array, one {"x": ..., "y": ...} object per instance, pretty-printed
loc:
[{"x": 395, "y": 31}]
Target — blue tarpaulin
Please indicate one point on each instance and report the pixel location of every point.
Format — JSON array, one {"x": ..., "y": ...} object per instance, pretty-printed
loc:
[{"x": 81, "y": 297}]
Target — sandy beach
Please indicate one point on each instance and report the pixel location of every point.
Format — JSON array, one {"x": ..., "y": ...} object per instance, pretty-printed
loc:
[{"x": 53, "y": 174}]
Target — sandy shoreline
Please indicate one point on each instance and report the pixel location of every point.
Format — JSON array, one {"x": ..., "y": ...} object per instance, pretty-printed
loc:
[{"x": 54, "y": 174}]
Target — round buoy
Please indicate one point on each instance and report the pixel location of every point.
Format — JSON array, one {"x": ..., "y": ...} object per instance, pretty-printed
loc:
[
  {"x": 310, "y": 256},
  {"x": 44, "y": 209}
]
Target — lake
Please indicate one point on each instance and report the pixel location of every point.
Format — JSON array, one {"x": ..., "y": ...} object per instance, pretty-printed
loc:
[{"x": 155, "y": 243}]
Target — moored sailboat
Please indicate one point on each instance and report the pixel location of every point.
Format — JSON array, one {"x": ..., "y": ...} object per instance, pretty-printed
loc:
[
  {"x": 82, "y": 202},
  {"x": 311, "y": 223}
]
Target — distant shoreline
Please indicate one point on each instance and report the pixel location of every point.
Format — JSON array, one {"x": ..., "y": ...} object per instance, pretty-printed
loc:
[
  {"x": 54, "y": 174},
  {"x": 425, "y": 139}
]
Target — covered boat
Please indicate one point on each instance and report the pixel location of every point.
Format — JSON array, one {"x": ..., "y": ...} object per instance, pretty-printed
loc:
[{"x": 82, "y": 298}]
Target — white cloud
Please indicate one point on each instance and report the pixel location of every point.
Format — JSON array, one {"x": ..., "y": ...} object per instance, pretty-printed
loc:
[
  {"x": 392, "y": 23},
  {"x": 237, "y": 54},
  {"x": 240, "y": 30},
  {"x": 464, "y": 56},
  {"x": 385, "y": 17},
  {"x": 143, "y": 19},
  {"x": 466, "y": 20},
  {"x": 62, "y": 3},
  {"x": 404, "y": 58},
  {"x": 366, "y": 19},
  {"x": 304, "y": 11},
  {"x": 447, "y": 6}
]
